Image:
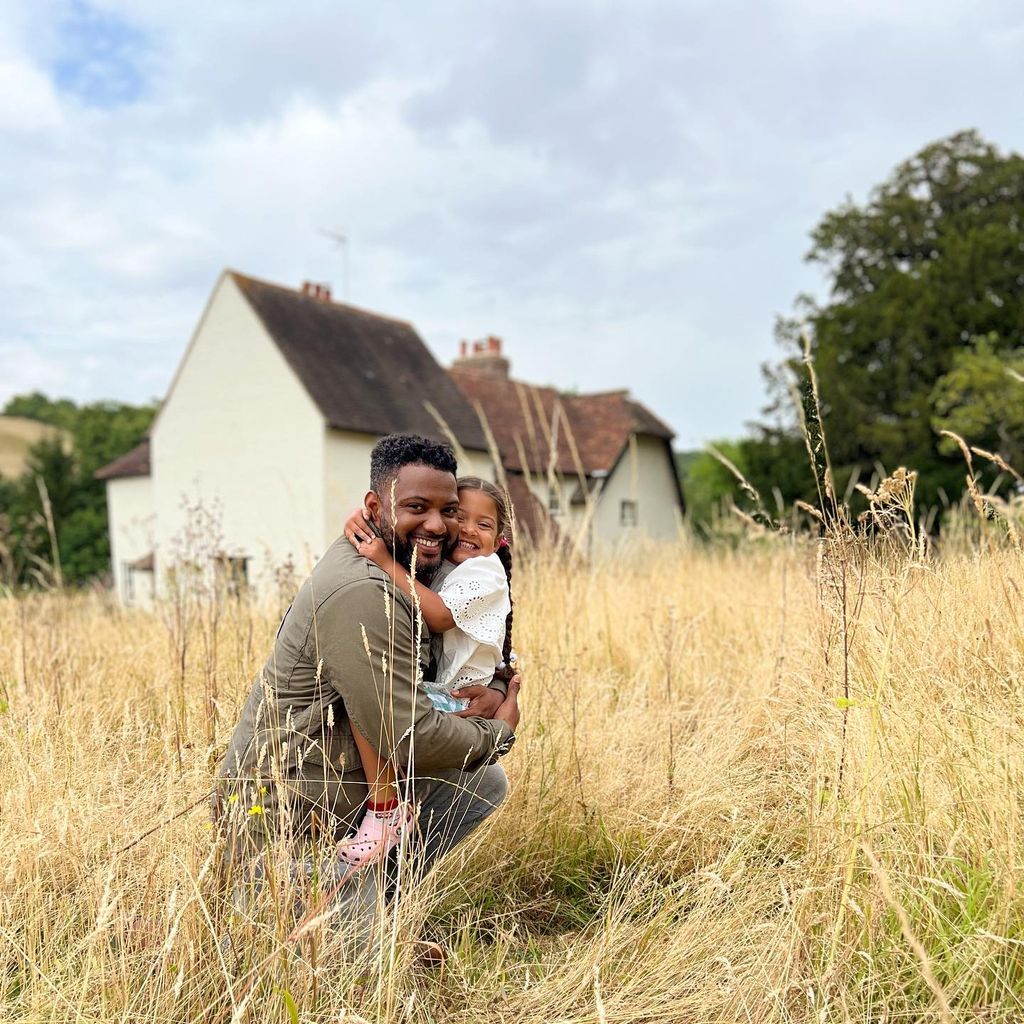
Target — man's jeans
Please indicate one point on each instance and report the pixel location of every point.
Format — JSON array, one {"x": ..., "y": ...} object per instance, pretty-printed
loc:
[{"x": 450, "y": 804}]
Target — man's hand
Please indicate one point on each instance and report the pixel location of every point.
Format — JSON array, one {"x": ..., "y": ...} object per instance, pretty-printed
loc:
[
  {"x": 508, "y": 710},
  {"x": 484, "y": 701}
]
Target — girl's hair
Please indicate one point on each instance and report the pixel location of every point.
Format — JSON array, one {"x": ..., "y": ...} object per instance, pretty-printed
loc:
[{"x": 503, "y": 551}]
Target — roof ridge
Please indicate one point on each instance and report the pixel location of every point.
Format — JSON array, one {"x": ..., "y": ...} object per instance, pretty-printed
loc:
[
  {"x": 598, "y": 394},
  {"x": 459, "y": 368},
  {"x": 346, "y": 306}
]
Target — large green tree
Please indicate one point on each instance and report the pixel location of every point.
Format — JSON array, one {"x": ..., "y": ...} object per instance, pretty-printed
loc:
[
  {"x": 100, "y": 432},
  {"x": 931, "y": 262},
  {"x": 707, "y": 483}
]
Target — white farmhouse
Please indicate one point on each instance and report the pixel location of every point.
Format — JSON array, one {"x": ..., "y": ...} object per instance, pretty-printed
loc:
[
  {"x": 594, "y": 469},
  {"x": 131, "y": 521},
  {"x": 262, "y": 445},
  {"x": 264, "y": 436}
]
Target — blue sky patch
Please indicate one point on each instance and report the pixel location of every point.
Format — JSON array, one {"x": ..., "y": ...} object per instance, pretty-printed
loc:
[{"x": 98, "y": 57}]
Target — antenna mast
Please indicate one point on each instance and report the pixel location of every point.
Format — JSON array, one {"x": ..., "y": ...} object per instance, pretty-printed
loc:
[{"x": 341, "y": 241}]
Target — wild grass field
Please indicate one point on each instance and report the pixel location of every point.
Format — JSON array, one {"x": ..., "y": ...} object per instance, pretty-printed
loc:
[{"x": 778, "y": 783}]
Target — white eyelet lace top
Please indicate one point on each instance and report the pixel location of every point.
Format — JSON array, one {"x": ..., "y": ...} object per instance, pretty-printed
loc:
[{"x": 476, "y": 593}]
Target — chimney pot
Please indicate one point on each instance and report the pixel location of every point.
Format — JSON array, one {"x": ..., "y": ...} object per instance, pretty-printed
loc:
[
  {"x": 483, "y": 357},
  {"x": 306, "y": 287}
]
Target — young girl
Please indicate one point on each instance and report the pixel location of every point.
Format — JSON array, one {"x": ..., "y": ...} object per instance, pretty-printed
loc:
[{"x": 473, "y": 611}]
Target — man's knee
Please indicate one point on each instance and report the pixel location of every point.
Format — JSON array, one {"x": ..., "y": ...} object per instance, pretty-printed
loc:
[{"x": 492, "y": 787}]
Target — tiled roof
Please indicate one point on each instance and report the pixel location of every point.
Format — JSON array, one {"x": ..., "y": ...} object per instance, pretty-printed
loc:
[
  {"x": 532, "y": 519},
  {"x": 133, "y": 463},
  {"x": 365, "y": 372},
  {"x": 602, "y": 425},
  {"x": 530, "y": 423}
]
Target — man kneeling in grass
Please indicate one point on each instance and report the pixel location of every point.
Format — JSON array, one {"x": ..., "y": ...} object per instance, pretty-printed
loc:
[{"x": 349, "y": 654}]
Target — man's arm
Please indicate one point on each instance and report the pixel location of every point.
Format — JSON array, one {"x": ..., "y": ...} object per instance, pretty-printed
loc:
[{"x": 366, "y": 642}]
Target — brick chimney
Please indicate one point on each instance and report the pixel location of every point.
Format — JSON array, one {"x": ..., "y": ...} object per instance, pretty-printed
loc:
[
  {"x": 317, "y": 290},
  {"x": 482, "y": 357}
]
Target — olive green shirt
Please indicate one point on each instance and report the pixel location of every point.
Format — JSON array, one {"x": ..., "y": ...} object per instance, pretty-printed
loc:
[{"x": 350, "y": 649}]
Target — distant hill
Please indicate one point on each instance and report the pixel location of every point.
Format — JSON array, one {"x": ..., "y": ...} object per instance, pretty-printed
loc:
[{"x": 17, "y": 435}]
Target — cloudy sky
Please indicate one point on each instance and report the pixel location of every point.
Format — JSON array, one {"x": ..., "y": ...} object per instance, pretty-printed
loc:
[{"x": 623, "y": 192}]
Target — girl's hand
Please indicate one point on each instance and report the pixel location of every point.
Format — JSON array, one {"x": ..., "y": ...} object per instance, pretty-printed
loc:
[
  {"x": 358, "y": 529},
  {"x": 361, "y": 535},
  {"x": 376, "y": 551}
]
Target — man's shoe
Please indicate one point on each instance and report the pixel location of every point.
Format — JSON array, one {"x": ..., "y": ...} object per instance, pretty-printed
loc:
[{"x": 428, "y": 955}]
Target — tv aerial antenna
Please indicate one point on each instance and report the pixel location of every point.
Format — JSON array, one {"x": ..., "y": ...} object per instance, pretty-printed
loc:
[{"x": 340, "y": 240}]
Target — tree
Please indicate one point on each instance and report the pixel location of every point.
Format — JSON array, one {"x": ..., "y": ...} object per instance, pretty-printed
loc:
[
  {"x": 100, "y": 431},
  {"x": 706, "y": 482},
  {"x": 933, "y": 260},
  {"x": 982, "y": 398},
  {"x": 43, "y": 497}
]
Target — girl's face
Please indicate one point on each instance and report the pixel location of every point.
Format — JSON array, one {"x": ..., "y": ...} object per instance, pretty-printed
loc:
[{"x": 478, "y": 526}]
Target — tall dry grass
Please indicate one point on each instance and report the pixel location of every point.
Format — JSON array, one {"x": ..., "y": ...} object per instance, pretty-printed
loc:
[{"x": 779, "y": 784}]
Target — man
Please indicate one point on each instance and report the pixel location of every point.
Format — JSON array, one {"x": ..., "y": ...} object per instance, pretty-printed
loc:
[{"x": 349, "y": 653}]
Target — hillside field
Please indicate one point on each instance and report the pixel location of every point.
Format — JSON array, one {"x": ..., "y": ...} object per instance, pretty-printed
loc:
[
  {"x": 781, "y": 783},
  {"x": 17, "y": 436}
]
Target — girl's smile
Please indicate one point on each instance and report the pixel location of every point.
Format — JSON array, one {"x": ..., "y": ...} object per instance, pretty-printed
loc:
[{"x": 478, "y": 526}]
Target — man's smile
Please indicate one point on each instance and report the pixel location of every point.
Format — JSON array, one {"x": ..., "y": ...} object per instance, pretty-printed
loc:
[{"x": 427, "y": 545}]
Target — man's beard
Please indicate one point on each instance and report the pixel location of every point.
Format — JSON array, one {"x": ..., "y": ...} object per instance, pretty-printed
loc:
[{"x": 402, "y": 552}]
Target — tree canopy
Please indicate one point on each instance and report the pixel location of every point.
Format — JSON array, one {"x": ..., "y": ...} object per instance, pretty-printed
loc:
[
  {"x": 922, "y": 321},
  {"x": 982, "y": 398}
]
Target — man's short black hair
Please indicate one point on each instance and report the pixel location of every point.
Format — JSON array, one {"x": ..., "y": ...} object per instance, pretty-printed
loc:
[{"x": 394, "y": 451}]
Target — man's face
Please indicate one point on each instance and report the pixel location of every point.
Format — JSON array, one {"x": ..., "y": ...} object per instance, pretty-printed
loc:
[{"x": 419, "y": 511}]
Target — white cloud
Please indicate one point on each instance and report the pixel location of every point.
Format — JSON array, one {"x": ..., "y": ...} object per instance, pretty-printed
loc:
[
  {"x": 624, "y": 194},
  {"x": 28, "y": 101}
]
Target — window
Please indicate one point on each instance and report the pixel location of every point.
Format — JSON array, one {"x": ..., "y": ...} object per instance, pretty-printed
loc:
[
  {"x": 127, "y": 582},
  {"x": 233, "y": 573},
  {"x": 628, "y": 513},
  {"x": 554, "y": 498}
]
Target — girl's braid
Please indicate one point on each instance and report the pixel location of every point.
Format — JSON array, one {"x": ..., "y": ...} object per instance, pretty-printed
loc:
[{"x": 504, "y": 554}]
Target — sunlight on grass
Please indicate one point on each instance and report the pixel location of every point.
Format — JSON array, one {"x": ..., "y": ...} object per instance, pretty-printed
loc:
[{"x": 679, "y": 844}]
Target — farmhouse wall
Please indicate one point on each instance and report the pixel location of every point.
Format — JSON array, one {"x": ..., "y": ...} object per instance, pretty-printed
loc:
[
  {"x": 239, "y": 434},
  {"x": 132, "y": 524},
  {"x": 556, "y": 494},
  {"x": 644, "y": 476},
  {"x": 347, "y": 476},
  {"x": 479, "y": 464}
]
